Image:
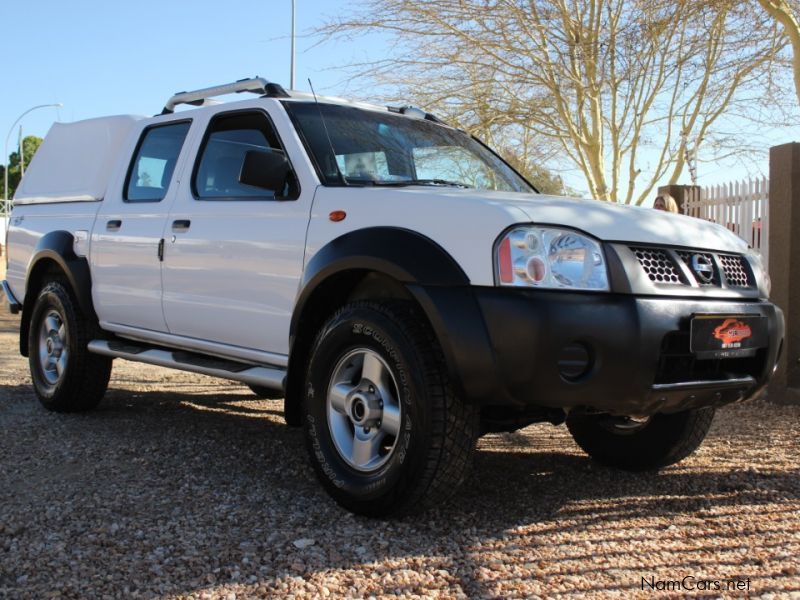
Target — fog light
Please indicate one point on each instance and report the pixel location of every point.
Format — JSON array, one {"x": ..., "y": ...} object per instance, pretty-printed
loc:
[{"x": 575, "y": 361}]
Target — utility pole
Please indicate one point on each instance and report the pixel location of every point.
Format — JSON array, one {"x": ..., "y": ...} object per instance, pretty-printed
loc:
[
  {"x": 291, "y": 74},
  {"x": 690, "y": 157}
]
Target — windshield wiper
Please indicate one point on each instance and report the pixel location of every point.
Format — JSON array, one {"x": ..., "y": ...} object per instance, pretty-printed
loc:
[{"x": 404, "y": 182}]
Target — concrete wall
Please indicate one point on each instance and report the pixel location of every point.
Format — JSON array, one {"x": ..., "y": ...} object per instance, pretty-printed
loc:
[{"x": 784, "y": 244}]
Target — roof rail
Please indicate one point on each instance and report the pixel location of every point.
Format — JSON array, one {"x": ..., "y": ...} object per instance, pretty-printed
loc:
[{"x": 256, "y": 85}]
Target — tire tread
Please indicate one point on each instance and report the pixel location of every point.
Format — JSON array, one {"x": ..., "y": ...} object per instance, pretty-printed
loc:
[
  {"x": 666, "y": 440},
  {"x": 454, "y": 425}
]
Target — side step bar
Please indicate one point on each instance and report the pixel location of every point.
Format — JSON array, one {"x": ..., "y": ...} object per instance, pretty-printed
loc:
[{"x": 269, "y": 377}]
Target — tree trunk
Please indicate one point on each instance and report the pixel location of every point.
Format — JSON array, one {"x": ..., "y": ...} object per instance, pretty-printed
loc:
[{"x": 783, "y": 14}]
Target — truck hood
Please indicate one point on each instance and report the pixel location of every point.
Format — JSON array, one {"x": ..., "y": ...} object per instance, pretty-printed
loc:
[
  {"x": 613, "y": 222},
  {"x": 466, "y": 223}
]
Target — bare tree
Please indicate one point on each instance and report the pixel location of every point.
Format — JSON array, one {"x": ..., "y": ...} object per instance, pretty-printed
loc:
[
  {"x": 473, "y": 108},
  {"x": 625, "y": 89},
  {"x": 787, "y": 16}
]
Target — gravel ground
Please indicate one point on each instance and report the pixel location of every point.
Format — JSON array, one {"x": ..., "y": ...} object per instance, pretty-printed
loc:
[{"x": 184, "y": 486}]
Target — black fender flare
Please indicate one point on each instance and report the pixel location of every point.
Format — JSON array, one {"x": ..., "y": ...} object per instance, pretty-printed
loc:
[
  {"x": 436, "y": 282},
  {"x": 58, "y": 247}
]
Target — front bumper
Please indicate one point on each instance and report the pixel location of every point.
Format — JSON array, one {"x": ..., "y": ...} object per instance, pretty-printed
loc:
[{"x": 638, "y": 347}]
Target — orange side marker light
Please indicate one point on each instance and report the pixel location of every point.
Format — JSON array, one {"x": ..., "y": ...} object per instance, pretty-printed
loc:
[{"x": 337, "y": 215}]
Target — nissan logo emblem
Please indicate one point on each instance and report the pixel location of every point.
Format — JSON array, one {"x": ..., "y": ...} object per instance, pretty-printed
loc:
[{"x": 703, "y": 268}]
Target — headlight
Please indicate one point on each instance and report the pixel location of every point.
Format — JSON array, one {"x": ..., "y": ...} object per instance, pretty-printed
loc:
[{"x": 549, "y": 257}]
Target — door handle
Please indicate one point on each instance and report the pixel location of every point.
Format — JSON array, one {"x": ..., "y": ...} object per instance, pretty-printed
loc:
[
  {"x": 181, "y": 225},
  {"x": 114, "y": 224}
]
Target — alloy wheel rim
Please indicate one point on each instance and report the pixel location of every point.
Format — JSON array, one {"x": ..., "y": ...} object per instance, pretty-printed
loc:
[
  {"x": 363, "y": 408},
  {"x": 53, "y": 350}
]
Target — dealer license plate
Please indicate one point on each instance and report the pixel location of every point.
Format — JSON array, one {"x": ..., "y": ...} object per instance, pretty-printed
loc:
[{"x": 727, "y": 336}]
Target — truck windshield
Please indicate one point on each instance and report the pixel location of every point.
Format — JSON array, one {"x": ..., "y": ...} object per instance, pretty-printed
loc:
[{"x": 374, "y": 148}]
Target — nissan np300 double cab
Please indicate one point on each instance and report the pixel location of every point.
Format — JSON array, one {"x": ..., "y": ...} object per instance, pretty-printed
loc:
[{"x": 392, "y": 278}]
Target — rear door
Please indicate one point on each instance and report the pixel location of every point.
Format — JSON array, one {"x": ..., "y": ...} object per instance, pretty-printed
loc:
[
  {"x": 126, "y": 239},
  {"x": 233, "y": 255}
]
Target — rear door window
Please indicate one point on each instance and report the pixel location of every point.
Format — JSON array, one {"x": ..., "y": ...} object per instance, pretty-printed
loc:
[{"x": 154, "y": 163}]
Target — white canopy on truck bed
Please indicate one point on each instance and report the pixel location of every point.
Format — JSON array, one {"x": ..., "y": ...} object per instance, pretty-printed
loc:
[{"x": 75, "y": 161}]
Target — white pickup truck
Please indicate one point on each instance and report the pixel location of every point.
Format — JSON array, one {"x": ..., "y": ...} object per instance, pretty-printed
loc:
[{"x": 393, "y": 279}]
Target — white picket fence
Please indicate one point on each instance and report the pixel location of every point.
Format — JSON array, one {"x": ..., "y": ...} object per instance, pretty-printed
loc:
[{"x": 741, "y": 206}]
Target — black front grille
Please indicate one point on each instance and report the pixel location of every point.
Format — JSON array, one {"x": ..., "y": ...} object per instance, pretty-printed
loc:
[
  {"x": 677, "y": 364},
  {"x": 666, "y": 266},
  {"x": 737, "y": 271},
  {"x": 658, "y": 265}
]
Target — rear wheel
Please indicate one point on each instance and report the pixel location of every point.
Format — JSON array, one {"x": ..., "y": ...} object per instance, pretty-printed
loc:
[
  {"x": 66, "y": 376},
  {"x": 638, "y": 445},
  {"x": 385, "y": 432}
]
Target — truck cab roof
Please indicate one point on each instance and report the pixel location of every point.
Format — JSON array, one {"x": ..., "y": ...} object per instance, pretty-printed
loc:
[{"x": 76, "y": 160}]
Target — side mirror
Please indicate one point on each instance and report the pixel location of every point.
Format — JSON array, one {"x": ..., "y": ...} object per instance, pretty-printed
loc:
[{"x": 264, "y": 169}]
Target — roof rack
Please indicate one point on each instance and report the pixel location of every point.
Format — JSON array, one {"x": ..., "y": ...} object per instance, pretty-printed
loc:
[
  {"x": 415, "y": 113},
  {"x": 256, "y": 85}
]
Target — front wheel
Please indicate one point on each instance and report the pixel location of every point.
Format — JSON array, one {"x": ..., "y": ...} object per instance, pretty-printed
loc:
[
  {"x": 66, "y": 376},
  {"x": 639, "y": 445},
  {"x": 385, "y": 433}
]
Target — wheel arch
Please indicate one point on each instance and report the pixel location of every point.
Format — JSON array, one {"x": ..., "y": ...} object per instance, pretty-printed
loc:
[
  {"x": 376, "y": 263},
  {"x": 54, "y": 253}
]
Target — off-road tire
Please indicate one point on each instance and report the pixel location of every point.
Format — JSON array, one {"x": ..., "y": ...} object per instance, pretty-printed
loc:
[
  {"x": 84, "y": 379},
  {"x": 665, "y": 440},
  {"x": 433, "y": 452}
]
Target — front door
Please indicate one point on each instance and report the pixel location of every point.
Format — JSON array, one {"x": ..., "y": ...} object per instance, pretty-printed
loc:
[{"x": 233, "y": 255}]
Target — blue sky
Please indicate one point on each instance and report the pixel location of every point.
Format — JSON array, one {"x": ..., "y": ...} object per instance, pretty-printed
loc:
[{"x": 100, "y": 58}]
